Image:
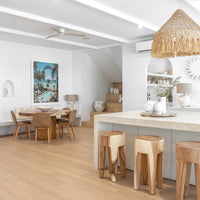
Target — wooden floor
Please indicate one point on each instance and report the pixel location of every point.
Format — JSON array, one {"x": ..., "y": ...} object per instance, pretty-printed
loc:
[{"x": 64, "y": 170}]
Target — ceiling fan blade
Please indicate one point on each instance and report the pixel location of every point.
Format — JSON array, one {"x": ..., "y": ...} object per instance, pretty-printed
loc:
[
  {"x": 52, "y": 36},
  {"x": 75, "y": 34}
]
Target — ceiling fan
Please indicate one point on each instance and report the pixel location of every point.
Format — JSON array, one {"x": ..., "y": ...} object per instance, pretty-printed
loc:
[{"x": 63, "y": 31}]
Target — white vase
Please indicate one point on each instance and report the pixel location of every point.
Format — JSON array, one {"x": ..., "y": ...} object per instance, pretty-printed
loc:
[
  {"x": 159, "y": 107},
  {"x": 163, "y": 100},
  {"x": 149, "y": 106},
  {"x": 111, "y": 90},
  {"x": 99, "y": 106},
  {"x": 116, "y": 91}
]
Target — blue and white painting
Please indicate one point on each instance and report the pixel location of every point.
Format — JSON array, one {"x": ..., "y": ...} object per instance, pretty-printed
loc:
[{"x": 45, "y": 82}]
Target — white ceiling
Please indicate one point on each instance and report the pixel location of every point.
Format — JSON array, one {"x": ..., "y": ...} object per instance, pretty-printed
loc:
[{"x": 106, "y": 22}]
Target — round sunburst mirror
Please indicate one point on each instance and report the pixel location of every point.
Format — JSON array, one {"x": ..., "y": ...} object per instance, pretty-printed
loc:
[{"x": 193, "y": 68}]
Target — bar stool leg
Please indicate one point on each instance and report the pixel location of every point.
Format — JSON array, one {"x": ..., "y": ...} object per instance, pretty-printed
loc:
[
  {"x": 102, "y": 155},
  {"x": 113, "y": 162},
  {"x": 197, "y": 179},
  {"x": 181, "y": 170},
  {"x": 187, "y": 181},
  {"x": 122, "y": 161},
  {"x": 152, "y": 163},
  {"x": 137, "y": 169},
  {"x": 144, "y": 169},
  {"x": 159, "y": 170}
]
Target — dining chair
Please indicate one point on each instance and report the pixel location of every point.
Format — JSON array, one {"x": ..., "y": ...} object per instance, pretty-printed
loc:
[
  {"x": 63, "y": 118},
  {"x": 19, "y": 124},
  {"x": 42, "y": 121},
  {"x": 68, "y": 123}
]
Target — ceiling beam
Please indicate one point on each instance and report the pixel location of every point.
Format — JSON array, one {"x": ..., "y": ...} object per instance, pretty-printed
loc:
[
  {"x": 60, "y": 24},
  {"x": 118, "y": 14},
  {"x": 33, "y": 35}
]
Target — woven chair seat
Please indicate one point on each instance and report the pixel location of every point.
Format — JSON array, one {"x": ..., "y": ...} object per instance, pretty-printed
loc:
[
  {"x": 62, "y": 120},
  {"x": 24, "y": 122}
]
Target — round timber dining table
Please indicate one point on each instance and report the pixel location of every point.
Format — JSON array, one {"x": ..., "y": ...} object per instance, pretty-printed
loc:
[{"x": 42, "y": 134}]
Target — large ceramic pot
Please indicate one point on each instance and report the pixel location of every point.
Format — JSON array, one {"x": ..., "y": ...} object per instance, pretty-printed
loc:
[{"x": 99, "y": 106}]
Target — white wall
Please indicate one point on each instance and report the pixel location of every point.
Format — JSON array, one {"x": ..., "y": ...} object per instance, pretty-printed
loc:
[
  {"x": 116, "y": 53},
  {"x": 15, "y": 66},
  {"x": 179, "y": 65},
  {"x": 134, "y": 78},
  {"x": 107, "y": 64},
  {"x": 88, "y": 82}
]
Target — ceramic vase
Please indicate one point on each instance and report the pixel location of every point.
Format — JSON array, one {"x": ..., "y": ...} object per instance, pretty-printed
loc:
[
  {"x": 111, "y": 90},
  {"x": 149, "y": 106},
  {"x": 116, "y": 91},
  {"x": 163, "y": 101},
  {"x": 159, "y": 107},
  {"x": 99, "y": 106}
]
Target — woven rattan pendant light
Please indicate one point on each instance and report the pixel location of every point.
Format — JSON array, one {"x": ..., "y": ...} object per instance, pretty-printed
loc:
[{"x": 179, "y": 36}]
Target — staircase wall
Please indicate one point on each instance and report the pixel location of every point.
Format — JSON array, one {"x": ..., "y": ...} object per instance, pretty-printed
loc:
[
  {"x": 89, "y": 82},
  {"x": 104, "y": 59}
]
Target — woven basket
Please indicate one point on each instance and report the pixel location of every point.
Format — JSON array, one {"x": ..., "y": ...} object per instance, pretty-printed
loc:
[{"x": 179, "y": 36}]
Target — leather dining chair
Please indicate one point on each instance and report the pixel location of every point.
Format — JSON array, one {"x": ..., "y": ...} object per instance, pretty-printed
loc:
[
  {"x": 41, "y": 121},
  {"x": 68, "y": 123},
  {"x": 19, "y": 124}
]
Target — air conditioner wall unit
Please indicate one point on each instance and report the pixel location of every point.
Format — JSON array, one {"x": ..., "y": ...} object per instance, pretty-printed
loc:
[{"x": 143, "y": 47}]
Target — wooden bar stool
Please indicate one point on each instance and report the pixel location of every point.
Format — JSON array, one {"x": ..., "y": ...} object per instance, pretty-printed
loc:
[
  {"x": 114, "y": 141},
  {"x": 148, "y": 155},
  {"x": 187, "y": 152}
]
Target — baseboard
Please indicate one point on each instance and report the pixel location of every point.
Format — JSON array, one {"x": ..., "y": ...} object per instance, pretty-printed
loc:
[{"x": 9, "y": 130}]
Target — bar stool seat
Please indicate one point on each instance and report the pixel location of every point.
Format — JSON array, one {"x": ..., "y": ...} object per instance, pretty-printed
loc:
[
  {"x": 115, "y": 142},
  {"x": 187, "y": 152},
  {"x": 148, "y": 155}
]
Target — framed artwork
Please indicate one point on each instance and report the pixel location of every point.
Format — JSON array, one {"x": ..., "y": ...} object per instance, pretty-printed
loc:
[{"x": 45, "y": 82}]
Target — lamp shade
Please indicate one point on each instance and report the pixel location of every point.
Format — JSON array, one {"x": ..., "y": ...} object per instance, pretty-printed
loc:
[
  {"x": 71, "y": 97},
  {"x": 184, "y": 88},
  {"x": 179, "y": 36}
]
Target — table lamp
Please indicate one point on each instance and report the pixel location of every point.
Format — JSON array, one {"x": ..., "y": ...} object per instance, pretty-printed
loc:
[
  {"x": 71, "y": 98},
  {"x": 184, "y": 100}
]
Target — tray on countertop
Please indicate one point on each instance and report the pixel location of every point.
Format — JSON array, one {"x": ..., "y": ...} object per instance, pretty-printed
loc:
[{"x": 168, "y": 114}]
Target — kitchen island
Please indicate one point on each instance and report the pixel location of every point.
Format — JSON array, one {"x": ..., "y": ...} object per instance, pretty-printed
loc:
[{"x": 185, "y": 126}]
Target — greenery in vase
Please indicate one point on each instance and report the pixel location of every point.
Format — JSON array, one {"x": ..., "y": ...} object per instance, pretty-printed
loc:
[{"x": 162, "y": 91}]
